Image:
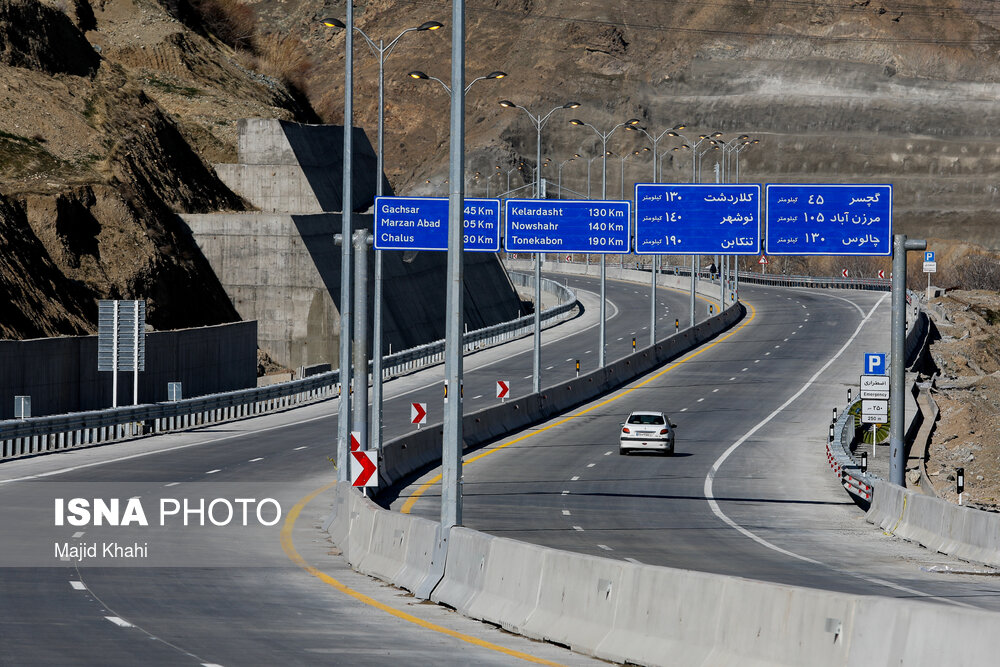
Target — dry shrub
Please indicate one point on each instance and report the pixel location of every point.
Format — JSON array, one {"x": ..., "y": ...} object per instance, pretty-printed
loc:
[
  {"x": 230, "y": 20},
  {"x": 283, "y": 57},
  {"x": 978, "y": 272}
]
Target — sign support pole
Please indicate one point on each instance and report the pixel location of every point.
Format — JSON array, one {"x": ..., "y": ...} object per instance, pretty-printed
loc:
[
  {"x": 897, "y": 351},
  {"x": 451, "y": 482},
  {"x": 652, "y": 302},
  {"x": 114, "y": 360},
  {"x": 360, "y": 401},
  {"x": 135, "y": 357},
  {"x": 692, "y": 290}
]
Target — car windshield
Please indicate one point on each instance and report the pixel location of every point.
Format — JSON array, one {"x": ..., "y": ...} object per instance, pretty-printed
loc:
[{"x": 646, "y": 419}]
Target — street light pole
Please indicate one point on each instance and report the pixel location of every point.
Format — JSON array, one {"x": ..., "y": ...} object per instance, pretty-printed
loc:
[
  {"x": 539, "y": 122},
  {"x": 451, "y": 483},
  {"x": 380, "y": 51},
  {"x": 575, "y": 156},
  {"x": 604, "y": 136}
]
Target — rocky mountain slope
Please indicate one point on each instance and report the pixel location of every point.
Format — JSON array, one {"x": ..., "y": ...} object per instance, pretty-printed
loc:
[{"x": 110, "y": 115}]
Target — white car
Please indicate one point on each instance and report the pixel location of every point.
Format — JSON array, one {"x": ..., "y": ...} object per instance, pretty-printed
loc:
[{"x": 646, "y": 430}]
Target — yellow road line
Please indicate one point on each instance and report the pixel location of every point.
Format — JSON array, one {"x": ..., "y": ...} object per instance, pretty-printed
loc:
[
  {"x": 411, "y": 501},
  {"x": 295, "y": 557}
]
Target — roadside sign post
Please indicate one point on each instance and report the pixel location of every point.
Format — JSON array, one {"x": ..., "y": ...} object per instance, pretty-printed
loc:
[
  {"x": 874, "y": 393},
  {"x": 697, "y": 219},
  {"x": 22, "y": 407},
  {"x": 568, "y": 226},
  {"x": 930, "y": 266},
  {"x": 418, "y": 414},
  {"x": 503, "y": 389},
  {"x": 897, "y": 354},
  {"x": 121, "y": 342}
]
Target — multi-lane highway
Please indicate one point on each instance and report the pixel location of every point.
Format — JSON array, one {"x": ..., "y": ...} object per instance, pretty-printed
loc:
[
  {"x": 748, "y": 493},
  {"x": 210, "y": 595}
]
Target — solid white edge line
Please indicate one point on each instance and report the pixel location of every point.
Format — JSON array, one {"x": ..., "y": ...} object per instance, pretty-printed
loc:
[
  {"x": 120, "y": 622},
  {"x": 769, "y": 545}
]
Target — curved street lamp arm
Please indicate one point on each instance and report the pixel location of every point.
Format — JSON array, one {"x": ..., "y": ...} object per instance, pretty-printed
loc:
[{"x": 443, "y": 84}]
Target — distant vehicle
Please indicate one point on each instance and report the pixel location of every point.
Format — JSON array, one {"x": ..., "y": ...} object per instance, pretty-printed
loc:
[{"x": 646, "y": 431}]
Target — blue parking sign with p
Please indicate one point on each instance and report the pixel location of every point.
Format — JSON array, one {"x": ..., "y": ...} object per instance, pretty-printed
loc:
[
  {"x": 929, "y": 256},
  {"x": 874, "y": 364}
]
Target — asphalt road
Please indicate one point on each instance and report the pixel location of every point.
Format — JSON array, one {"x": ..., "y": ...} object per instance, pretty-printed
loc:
[
  {"x": 235, "y": 595},
  {"x": 748, "y": 492},
  {"x": 246, "y": 596}
]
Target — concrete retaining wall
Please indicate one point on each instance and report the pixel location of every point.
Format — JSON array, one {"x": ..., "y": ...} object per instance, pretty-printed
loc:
[
  {"x": 651, "y": 615},
  {"x": 284, "y": 271},
  {"x": 60, "y": 374},
  {"x": 937, "y": 524}
]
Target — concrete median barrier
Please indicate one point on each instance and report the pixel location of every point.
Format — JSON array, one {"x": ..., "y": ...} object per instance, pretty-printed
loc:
[
  {"x": 577, "y": 598},
  {"x": 509, "y": 586},
  {"x": 465, "y": 568},
  {"x": 937, "y": 524}
]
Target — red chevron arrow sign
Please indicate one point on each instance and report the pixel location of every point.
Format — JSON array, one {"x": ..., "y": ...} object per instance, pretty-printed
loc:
[
  {"x": 355, "y": 440},
  {"x": 363, "y": 469},
  {"x": 503, "y": 388},
  {"x": 418, "y": 413}
]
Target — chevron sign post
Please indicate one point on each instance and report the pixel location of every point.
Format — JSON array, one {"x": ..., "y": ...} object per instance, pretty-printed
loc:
[
  {"x": 364, "y": 464},
  {"x": 418, "y": 413},
  {"x": 503, "y": 389}
]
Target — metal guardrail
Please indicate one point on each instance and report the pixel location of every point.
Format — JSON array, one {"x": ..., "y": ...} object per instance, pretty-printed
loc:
[{"x": 37, "y": 435}]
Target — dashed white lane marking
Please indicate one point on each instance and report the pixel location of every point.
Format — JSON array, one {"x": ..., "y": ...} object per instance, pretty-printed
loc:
[
  {"x": 608, "y": 453},
  {"x": 549, "y": 368},
  {"x": 794, "y": 332},
  {"x": 715, "y": 390},
  {"x": 565, "y": 512},
  {"x": 212, "y": 472},
  {"x": 714, "y": 505},
  {"x": 77, "y": 585},
  {"x": 684, "y": 409},
  {"x": 78, "y": 534},
  {"x": 259, "y": 458},
  {"x": 120, "y": 622},
  {"x": 800, "y": 326},
  {"x": 806, "y": 320},
  {"x": 785, "y": 341},
  {"x": 633, "y": 560},
  {"x": 565, "y": 493},
  {"x": 570, "y": 359},
  {"x": 756, "y": 361},
  {"x": 526, "y": 377},
  {"x": 776, "y": 346},
  {"x": 732, "y": 378},
  {"x": 644, "y": 328},
  {"x": 172, "y": 484},
  {"x": 587, "y": 352},
  {"x": 298, "y": 448},
  {"x": 475, "y": 398},
  {"x": 591, "y": 465},
  {"x": 578, "y": 528},
  {"x": 605, "y": 547},
  {"x": 210, "y": 664},
  {"x": 621, "y": 338},
  {"x": 767, "y": 354},
  {"x": 700, "y": 400},
  {"x": 574, "y": 478},
  {"x": 744, "y": 370}
]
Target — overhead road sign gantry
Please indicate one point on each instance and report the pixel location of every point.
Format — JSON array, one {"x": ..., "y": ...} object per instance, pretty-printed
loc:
[
  {"x": 421, "y": 223},
  {"x": 567, "y": 225},
  {"x": 849, "y": 219},
  {"x": 699, "y": 219}
]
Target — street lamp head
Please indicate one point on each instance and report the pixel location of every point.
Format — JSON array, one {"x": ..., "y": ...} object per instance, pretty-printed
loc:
[
  {"x": 682, "y": 126},
  {"x": 507, "y": 104},
  {"x": 703, "y": 136},
  {"x": 755, "y": 141},
  {"x": 577, "y": 155},
  {"x": 672, "y": 134},
  {"x": 333, "y": 23},
  {"x": 608, "y": 153},
  {"x": 645, "y": 149},
  {"x": 571, "y": 105},
  {"x": 495, "y": 75},
  {"x": 631, "y": 122},
  {"x": 744, "y": 138},
  {"x": 717, "y": 134},
  {"x": 417, "y": 74},
  {"x": 430, "y": 25}
]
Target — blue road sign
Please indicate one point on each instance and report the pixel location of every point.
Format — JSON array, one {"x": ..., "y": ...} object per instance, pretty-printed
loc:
[
  {"x": 829, "y": 219},
  {"x": 567, "y": 225},
  {"x": 685, "y": 219},
  {"x": 421, "y": 223},
  {"x": 874, "y": 363},
  {"x": 929, "y": 256}
]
